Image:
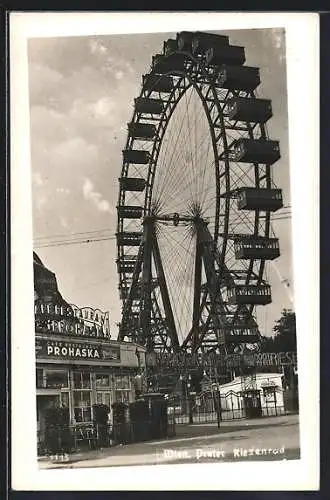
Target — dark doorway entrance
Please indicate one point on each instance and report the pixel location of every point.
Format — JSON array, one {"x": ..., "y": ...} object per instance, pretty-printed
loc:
[
  {"x": 44, "y": 402},
  {"x": 252, "y": 403}
]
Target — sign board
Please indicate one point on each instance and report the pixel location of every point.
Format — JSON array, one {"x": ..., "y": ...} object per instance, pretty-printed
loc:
[
  {"x": 221, "y": 362},
  {"x": 268, "y": 383},
  {"x": 71, "y": 320},
  {"x": 73, "y": 350}
]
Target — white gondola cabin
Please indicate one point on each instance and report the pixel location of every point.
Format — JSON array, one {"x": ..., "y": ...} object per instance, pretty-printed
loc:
[
  {"x": 242, "y": 336},
  {"x": 252, "y": 247},
  {"x": 127, "y": 263},
  {"x": 132, "y": 238},
  {"x": 250, "y": 294},
  {"x": 129, "y": 211}
]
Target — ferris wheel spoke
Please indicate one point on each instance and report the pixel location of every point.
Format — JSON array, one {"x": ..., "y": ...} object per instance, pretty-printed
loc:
[
  {"x": 206, "y": 163},
  {"x": 178, "y": 135},
  {"x": 168, "y": 141},
  {"x": 187, "y": 186},
  {"x": 183, "y": 299},
  {"x": 179, "y": 281},
  {"x": 182, "y": 172},
  {"x": 192, "y": 152},
  {"x": 179, "y": 160},
  {"x": 173, "y": 134}
]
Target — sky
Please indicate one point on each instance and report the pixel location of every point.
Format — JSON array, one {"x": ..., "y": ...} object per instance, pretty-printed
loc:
[{"x": 82, "y": 91}]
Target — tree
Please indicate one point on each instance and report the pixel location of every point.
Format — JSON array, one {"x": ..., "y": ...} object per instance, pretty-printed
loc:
[
  {"x": 284, "y": 339},
  {"x": 285, "y": 331}
]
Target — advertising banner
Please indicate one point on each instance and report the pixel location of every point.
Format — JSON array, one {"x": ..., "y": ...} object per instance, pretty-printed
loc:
[{"x": 76, "y": 350}]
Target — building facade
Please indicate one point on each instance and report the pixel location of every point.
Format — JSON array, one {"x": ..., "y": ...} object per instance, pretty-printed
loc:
[
  {"x": 78, "y": 365},
  {"x": 265, "y": 396}
]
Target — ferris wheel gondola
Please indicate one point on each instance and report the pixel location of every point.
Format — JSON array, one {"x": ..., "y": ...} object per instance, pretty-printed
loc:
[{"x": 195, "y": 201}]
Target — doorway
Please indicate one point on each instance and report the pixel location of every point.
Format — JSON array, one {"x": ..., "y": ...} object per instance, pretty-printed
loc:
[
  {"x": 44, "y": 402},
  {"x": 252, "y": 403}
]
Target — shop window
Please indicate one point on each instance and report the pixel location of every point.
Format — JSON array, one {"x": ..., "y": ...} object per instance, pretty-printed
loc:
[
  {"x": 81, "y": 380},
  {"x": 122, "y": 383},
  {"x": 56, "y": 379},
  {"x": 104, "y": 398},
  {"x": 65, "y": 399},
  {"x": 82, "y": 406},
  {"x": 122, "y": 396},
  {"x": 83, "y": 415},
  {"x": 102, "y": 380}
]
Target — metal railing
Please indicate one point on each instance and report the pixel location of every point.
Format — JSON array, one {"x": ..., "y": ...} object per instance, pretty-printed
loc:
[
  {"x": 185, "y": 412},
  {"x": 74, "y": 438}
]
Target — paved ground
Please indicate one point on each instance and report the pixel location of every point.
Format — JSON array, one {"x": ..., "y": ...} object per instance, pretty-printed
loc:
[{"x": 273, "y": 438}]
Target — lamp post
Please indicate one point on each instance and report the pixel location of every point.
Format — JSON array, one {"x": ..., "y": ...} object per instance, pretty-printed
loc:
[
  {"x": 189, "y": 400},
  {"x": 218, "y": 406},
  {"x": 216, "y": 399}
]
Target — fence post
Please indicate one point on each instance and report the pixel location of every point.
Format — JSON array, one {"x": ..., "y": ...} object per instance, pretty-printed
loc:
[{"x": 218, "y": 406}]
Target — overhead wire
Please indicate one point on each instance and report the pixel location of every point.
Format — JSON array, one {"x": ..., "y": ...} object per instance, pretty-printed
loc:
[
  {"x": 84, "y": 233},
  {"x": 73, "y": 242}
]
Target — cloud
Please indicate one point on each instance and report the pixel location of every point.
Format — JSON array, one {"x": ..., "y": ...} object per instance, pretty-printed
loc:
[
  {"x": 64, "y": 222},
  {"x": 40, "y": 202},
  {"x": 96, "y": 198},
  {"x": 76, "y": 151},
  {"x": 43, "y": 82},
  {"x": 62, "y": 190},
  {"x": 103, "y": 107},
  {"x": 277, "y": 38},
  {"x": 37, "y": 179},
  {"x": 119, "y": 75},
  {"x": 97, "y": 47}
]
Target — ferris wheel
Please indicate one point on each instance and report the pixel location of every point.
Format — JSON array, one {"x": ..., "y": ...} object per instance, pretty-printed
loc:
[{"x": 195, "y": 201}]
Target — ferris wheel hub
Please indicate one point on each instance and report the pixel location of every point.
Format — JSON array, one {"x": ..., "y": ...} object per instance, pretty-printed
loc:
[{"x": 176, "y": 219}]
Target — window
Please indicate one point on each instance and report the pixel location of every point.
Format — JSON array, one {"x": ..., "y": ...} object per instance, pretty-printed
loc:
[
  {"x": 270, "y": 394},
  {"x": 122, "y": 382},
  {"x": 82, "y": 406},
  {"x": 102, "y": 380},
  {"x": 65, "y": 399},
  {"x": 104, "y": 398},
  {"x": 39, "y": 378},
  {"x": 81, "y": 380},
  {"x": 56, "y": 379},
  {"x": 122, "y": 396},
  {"x": 82, "y": 399}
]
